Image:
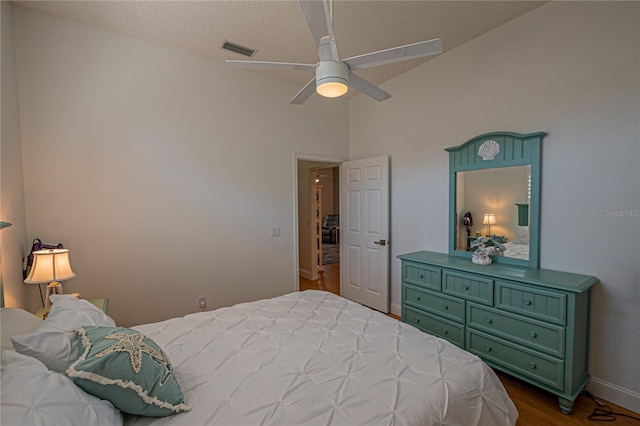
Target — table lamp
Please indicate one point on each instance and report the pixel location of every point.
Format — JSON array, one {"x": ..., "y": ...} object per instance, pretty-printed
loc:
[
  {"x": 489, "y": 219},
  {"x": 50, "y": 266}
]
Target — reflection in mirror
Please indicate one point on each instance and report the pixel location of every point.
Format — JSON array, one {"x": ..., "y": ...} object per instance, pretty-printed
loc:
[{"x": 494, "y": 202}]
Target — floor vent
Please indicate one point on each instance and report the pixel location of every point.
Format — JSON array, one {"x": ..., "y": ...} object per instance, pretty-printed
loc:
[{"x": 232, "y": 47}]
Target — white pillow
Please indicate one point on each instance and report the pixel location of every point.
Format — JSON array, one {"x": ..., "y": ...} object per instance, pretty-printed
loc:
[
  {"x": 33, "y": 395},
  {"x": 522, "y": 235},
  {"x": 13, "y": 322},
  {"x": 55, "y": 342}
]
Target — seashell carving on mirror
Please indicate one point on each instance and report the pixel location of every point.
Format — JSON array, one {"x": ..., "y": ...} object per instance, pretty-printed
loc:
[{"x": 489, "y": 149}]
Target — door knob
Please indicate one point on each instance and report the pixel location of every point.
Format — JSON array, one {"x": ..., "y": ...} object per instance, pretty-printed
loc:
[{"x": 381, "y": 242}]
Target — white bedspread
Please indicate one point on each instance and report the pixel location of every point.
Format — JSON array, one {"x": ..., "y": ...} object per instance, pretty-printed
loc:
[
  {"x": 517, "y": 251},
  {"x": 316, "y": 358}
]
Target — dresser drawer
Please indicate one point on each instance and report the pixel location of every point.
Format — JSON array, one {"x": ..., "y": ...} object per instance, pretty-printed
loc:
[
  {"x": 533, "y": 302},
  {"x": 421, "y": 275},
  {"x": 444, "y": 306},
  {"x": 437, "y": 326},
  {"x": 540, "y": 367},
  {"x": 534, "y": 334},
  {"x": 470, "y": 287}
]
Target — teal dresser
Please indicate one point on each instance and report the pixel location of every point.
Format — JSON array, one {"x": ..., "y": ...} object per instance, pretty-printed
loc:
[{"x": 530, "y": 323}]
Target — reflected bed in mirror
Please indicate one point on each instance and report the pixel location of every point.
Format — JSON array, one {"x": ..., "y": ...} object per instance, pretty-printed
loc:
[
  {"x": 496, "y": 199},
  {"x": 494, "y": 190}
]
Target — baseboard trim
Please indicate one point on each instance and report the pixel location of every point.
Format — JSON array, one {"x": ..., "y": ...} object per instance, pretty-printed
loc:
[
  {"x": 396, "y": 309},
  {"x": 613, "y": 393},
  {"x": 304, "y": 274}
]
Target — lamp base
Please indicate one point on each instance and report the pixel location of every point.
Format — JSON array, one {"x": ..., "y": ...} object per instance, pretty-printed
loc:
[{"x": 52, "y": 288}]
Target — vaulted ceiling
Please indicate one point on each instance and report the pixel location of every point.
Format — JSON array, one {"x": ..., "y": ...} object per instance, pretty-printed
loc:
[{"x": 277, "y": 29}]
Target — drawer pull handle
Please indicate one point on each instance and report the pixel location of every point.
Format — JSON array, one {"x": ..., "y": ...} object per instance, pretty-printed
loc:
[
  {"x": 466, "y": 287},
  {"x": 421, "y": 276},
  {"x": 489, "y": 348},
  {"x": 527, "y": 302},
  {"x": 445, "y": 307},
  {"x": 445, "y": 331},
  {"x": 533, "y": 334},
  {"x": 417, "y": 320},
  {"x": 532, "y": 365},
  {"x": 488, "y": 320},
  {"x": 418, "y": 298}
]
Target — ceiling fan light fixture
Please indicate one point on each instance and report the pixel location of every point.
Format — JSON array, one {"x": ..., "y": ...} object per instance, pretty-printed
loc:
[
  {"x": 332, "y": 79},
  {"x": 332, "y": 89}
]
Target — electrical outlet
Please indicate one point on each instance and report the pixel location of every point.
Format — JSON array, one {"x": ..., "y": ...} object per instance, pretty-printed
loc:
[
  {"x": 202, "y": 302},
  {"x": 275, "y": 231}
]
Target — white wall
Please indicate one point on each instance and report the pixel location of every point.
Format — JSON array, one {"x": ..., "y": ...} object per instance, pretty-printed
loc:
[
  {"x": 570, "y": 69},
  {"x": 161, "y": 171},
  {"x": 13, "y": 241}
]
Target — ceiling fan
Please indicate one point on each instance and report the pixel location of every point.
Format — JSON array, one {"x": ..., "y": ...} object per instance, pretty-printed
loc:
[{"x": 334, "y": 76}]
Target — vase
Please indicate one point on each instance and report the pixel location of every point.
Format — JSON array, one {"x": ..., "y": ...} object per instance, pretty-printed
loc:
[{"x": 481, "y": 260}]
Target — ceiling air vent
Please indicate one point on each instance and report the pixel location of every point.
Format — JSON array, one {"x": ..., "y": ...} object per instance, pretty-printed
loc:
[{"x": 227, "y": 45}]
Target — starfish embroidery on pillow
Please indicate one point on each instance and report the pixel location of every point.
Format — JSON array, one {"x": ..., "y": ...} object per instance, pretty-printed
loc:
[{"x": 133, "y": 344}]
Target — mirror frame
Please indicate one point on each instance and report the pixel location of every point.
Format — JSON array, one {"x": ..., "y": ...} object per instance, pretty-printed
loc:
[{"x": 514, "y": 150}]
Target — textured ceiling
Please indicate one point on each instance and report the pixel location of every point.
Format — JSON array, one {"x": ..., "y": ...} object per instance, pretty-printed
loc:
[{"x": 277, "y": 30}]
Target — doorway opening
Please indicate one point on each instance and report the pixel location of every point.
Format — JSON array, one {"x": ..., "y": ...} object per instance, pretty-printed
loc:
[
  {"x": 364, "y": 206},
  {"x": 317, "y": 216}
]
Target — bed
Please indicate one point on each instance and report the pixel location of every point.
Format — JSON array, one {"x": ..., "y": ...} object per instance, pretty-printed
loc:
[
  {"x": 303, "y": 358},
  {"x": 516, "y": 251}
]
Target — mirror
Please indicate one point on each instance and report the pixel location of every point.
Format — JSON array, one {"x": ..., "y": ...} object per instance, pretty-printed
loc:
[
  {"x": 494, "y": 191},
  {"x": 502, "y": 195}
]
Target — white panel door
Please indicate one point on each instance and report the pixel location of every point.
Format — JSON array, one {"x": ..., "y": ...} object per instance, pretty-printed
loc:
[{"x": 364, "y": 232}]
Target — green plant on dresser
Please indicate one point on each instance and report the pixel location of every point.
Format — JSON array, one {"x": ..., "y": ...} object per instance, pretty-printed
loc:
[{"x": 531, "y": 323}]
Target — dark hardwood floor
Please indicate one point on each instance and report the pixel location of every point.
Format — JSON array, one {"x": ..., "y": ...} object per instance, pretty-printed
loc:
[{"x": 536, "y": 407}]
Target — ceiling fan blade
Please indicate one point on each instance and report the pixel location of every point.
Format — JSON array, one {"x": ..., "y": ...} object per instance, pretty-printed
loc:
[
  {"x": 260, "y": 65},
  {"x": 395, "y": 54},
  {"x": 318, "y": 18},
  {"x": 367, "y": 88},
  {"x": 304, "y": 93}
]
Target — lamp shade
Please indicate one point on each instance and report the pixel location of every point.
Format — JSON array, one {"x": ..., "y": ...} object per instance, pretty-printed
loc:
[
  {"x": 50, "y": 265},
  {"x": 489, "y": 219}
]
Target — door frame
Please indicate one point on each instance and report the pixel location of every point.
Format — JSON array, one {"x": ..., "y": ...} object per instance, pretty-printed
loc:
[{"x": 296, "y": 220}]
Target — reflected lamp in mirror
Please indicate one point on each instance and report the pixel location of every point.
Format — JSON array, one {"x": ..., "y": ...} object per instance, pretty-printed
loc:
[
  {"x": 50, "y": 266},
  {"x": 489, "y": 219}
]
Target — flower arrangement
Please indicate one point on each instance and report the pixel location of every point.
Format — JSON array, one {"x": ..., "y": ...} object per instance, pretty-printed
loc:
[{"x": 486, "y": 247}]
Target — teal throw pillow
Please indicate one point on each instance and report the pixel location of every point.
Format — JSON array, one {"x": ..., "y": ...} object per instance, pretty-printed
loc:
[{"x": 128, "y": 369}]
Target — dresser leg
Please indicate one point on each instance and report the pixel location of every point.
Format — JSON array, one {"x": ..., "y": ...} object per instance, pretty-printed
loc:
[{"x": 565, "y": 405}]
